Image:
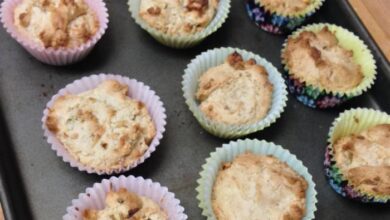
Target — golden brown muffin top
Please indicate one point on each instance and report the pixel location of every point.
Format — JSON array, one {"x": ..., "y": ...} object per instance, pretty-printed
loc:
[
  {"x": 256, "y": 185},
  {"x": 178, "y": 17},
  {"x": 364, "y": 159},
  {"x": 285, "y": 7},
  {"x": 235, "y": 92},
  {"x": 318, "y": 59},
  {"x": 56, "y": 23},
  {"x": 125, "y": 205}
]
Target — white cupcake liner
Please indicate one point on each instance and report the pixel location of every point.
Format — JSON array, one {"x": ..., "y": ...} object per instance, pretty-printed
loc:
[
  {"x": 182, "y": 41},
  {"x": 49, "y": 55},
  {"x": 215, "y": 57},
  {"x": 94, "y": 197},
  {"x": 137, "y": 90},
  {"x": 229, "y": 151}
]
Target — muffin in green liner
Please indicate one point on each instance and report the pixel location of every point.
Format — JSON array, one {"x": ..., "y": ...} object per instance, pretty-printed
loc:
[
  {"x": 215, "y": 57},
  {"x": 350, "y": 122},
  {"x": 228, "y": 152},
  {"x": 317, "y": 97},
  {"x": 278, "y": 22},
  {"x": 182, "y": 41}
]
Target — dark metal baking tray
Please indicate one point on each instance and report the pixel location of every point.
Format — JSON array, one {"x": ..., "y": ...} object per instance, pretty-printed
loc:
[{"x": 36, "y": 184}]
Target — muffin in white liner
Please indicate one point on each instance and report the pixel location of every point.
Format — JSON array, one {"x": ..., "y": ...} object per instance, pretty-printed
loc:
[
  {"x": 182, "y": 41},
  {"x": 137, "y": 91},
  {"x": 215, "y": 57},
  {"x": 229, "y": 151},
  {"x": 94, "y": 196},
  {"x": 58, "y": 57}
]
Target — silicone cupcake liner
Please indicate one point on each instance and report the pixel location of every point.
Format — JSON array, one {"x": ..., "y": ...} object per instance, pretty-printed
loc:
[
  {"x": 182, "y": 41},
  {"x": 316, "y": 97},
  {"x": 229, "y": 151},
  {"x": 94, "y": 197},
  {"x": 273, "y": 22},
  {"x": 49, "y": 55},
  {"x": 137, "y": 90},
  {"x": 215, "y": 57},
  {"x": 349, "y": 122}
]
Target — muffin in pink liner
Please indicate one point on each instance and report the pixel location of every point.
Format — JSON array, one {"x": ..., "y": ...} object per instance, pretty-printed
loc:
[
  {"x": 94, "y": 196},
  {"x": 61, "y": 56},
  {"x": 136, "y": 90}
]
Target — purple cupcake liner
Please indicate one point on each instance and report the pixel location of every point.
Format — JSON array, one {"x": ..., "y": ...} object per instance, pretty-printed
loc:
[
  {"x": 52, "y": 56},
  {"x": 137, "y": 90},
  {"x": 94, "y": 196}
]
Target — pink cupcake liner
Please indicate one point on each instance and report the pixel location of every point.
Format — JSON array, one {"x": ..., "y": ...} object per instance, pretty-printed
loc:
[
  {"x": 137, "y": 90},
  {"x": 94, "y": 197},
  {"x": 49, "y": 55}
]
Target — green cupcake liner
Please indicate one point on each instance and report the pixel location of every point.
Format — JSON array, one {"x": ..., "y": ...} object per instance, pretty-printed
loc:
[
  {"x": 215, "y": 57},
  {"x": 229, "y": 151},
  {"x": 354, "y": 121},
  {"x": 361, "y": 54},
  {"x": 182, "y": 41}
]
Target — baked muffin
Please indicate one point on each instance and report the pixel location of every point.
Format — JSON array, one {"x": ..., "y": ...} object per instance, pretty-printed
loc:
[
  {"x": 56, "y": 23},
  {"x": 178, "y": 17},
  {"x": 236, "y": 92},
  {"x": 364, "y": 160},
  {"x": 122, "y": 205},
  {"x": 102, "y": 128},
  {"x": 257, "y": 185},
  {"x": 318, "y": 59},
  {"x": 285, "y": 7}
]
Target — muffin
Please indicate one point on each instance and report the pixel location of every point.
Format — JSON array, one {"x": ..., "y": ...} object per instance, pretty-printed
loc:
[
  {"x": 256, "y": 185},
  {"x": 179, "y": 23},
  {"x": 102, "y": 128},
  {"x": 281, "y": 16},
  {"x": 178, "y": 17},
  {"x": 245, "y": 179},
  {"x": 322, "y": 70},
  {"x": 126, "y": 205},
  {"x": 358, "y": 156},
  {"x": 56, "y": 23},
  {"x": 236, "y": 92}
]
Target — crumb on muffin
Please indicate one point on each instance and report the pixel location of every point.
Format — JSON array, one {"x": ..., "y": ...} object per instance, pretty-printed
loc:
[
  {"x": 178, "y": 17},
  {"x": 235, "y": 92},
  {"x": 256, "y": 185},
  {"x": 103, "y": 128},
  {"x": 285, "y": 7},
  {"x": 125, "y": 205},
  {"x": 56, "y": 23}
]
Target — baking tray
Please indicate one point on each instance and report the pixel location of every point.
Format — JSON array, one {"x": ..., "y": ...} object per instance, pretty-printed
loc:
[{"x": 36, "y": 184}]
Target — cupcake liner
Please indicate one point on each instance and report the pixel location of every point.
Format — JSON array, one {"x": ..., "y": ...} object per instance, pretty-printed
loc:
[
  {"x": 62, "y": 56},
  {"x": 182, "y": 41},
  {"x": 316, "y": 97},
  {"x": 351, "y": 122},
  {"x": 94, "y": 196},
  {"x": 137, "y": 90},
  {"x": 275, "y": 23},
  {"x": 215, "y": 57},
  {"x": 229, "y": 151}
]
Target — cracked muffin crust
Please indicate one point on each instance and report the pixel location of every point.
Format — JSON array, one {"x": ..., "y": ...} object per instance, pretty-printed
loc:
[
  {"x": 256, "y": 185},
  {"x": 364, "y": 159},
  {"x": 125, "y": 205},
  {"x": 56, "y": 23},
  {"x": 235, "y": 92},
  {"x": 178, "y": 17},
  {"x": 318, "y": 59},
  {"x": 102, "y": 128},
  {"x": 285, "y": 7}
]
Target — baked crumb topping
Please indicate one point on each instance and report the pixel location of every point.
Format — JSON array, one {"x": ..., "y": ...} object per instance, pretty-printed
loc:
[
  {"x": 285, "y": 7},
  {"x": 319, "y": 60},
  {"x": 56, "y": 23}
]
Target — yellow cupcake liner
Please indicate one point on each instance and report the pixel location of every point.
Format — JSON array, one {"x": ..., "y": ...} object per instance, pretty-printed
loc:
[
  {"x": 182, "y": 41},
  {"x": 361, "y": 55},
  {"x": 354, "y": 121}
]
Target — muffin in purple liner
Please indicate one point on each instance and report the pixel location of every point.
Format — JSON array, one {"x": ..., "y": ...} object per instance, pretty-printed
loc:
[{"x": 275, "y": 16}]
